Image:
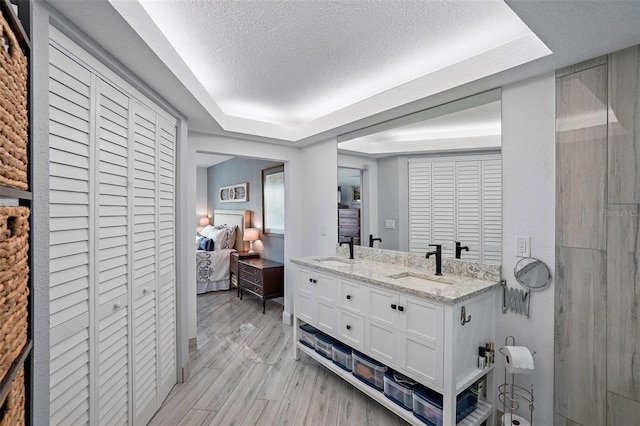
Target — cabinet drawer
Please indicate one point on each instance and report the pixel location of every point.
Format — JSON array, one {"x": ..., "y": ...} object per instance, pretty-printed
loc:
[
  {"x": 349, "y": 231},
  {"x": 347, "y": 221},
  {"x": 353, "y": 213},
  {"x": 350, "y": 297},
  {"x": 250, "y": 270},
  {"x": 351, "y": 329},
  {"x": 250, "y": 277},
  {"x": 252, "y": 287}
]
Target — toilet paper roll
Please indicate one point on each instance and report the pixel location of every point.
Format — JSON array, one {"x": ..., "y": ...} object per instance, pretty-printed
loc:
[
  {"x": 514, "y": 420},
  {"x": 518, "y": 360}
]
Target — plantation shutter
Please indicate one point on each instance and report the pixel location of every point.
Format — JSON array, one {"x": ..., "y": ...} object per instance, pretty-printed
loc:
[
  {"x": 492, "y": 211},
  {"x": 444, "y": 206}
]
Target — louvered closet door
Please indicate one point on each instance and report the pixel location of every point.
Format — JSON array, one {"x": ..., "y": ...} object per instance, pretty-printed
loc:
[
  {"x": 166, "y": 302},
  {"x": 444, "y": 212},
  {"x": 468, "y": 208},
  {"x": 145, "y": 264},
  {"x": 492, "y": 211},
  {"x": 419, "y": 207},
  {"x": 69, "y": 235},
  {"x": 113, "y": 250}
]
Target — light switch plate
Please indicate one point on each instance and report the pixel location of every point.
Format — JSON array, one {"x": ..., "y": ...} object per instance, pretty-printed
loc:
[
  {"x": 390, "y": 224},
  {"x": 523, "y": 246}
]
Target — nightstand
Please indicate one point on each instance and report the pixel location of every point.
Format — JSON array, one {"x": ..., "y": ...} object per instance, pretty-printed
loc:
[
  {"x": 261, "y": 277},
  {"x": 233, "y": 265}
]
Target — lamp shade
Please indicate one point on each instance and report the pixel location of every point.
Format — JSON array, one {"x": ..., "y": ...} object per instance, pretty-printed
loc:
[
  {"x": 251, "y": 234},
  {"x": 204, "y": 221}
]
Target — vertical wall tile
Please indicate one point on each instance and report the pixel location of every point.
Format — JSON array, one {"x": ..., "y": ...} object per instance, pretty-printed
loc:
[
  {"x": 580, "y": 335},
  {"x": 623, "y": 300},
  {"x": 624, "y": 126},
  {"x": 622, "y": 411},
  {"x": 581, "y": 158}
]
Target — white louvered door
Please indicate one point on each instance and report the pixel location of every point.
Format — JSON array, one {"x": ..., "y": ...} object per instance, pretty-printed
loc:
[
  {"x": 112, "y": 245},
  {"x": 166, "y": 247},
  {"x": 444, "y": 206},
  {"x": 468, "y": 187},
  {"x": 69, "y": 235},
  {"x": 113, "y": 254},
  {"x": 420, "y": 220},
  {"x": 457, "y": 199},
  {"x": 492, "y": 211},
  {"x": 145, "y": 256}
]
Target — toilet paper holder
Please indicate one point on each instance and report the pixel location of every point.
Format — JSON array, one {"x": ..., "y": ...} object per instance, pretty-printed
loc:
[{"x": 512, "y": 395}]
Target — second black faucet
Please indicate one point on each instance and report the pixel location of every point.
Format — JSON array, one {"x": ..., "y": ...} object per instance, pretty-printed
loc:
[
  {"x": 350, "y": 242},
  {"x": 438, "y": 253}
]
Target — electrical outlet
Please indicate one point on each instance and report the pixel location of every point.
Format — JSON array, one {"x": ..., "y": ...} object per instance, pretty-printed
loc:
[
  {"x": 523, "y": 246},
  {"x": 390, "y": 224}
]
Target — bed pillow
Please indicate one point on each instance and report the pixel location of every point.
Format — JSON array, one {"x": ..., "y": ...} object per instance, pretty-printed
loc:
[
  {"x": 199, "y": 238},
  {"x": 230, "y": 236},
  {"x": 206, "y": 231},
  {"x": 219, "y": 237},
  {"x": 207, "y": 244}
]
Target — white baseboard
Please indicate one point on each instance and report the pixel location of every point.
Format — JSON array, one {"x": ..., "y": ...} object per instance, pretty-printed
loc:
[{"x": 286, "y": 317}]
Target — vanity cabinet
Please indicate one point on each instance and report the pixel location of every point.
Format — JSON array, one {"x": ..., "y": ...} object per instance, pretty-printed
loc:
[{"x": 417, "y": 336}]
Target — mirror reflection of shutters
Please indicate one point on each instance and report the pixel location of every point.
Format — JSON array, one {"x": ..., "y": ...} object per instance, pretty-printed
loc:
[
  {"x": 468, "y": 208},
  {"x": 419, "y": 206},
  {"x": 444, "y": 211}
]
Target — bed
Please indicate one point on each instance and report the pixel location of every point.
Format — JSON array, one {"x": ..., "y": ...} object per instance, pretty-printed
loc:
[{"x": 212, "y": 267}]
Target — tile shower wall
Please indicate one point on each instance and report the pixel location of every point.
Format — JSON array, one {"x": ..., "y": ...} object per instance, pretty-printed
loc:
[{"x": 597, "y": 345}]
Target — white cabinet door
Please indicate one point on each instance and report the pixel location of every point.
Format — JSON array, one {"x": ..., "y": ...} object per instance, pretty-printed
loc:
[
  {"x": 381, "y": 324},
  {"x": 351, "y": 329},
  {"x": 307, "y": 297},
  {"x": 327, "y": 320},
  {"x": 351, "y": 297},
  {"x": 424, "y": 353}
]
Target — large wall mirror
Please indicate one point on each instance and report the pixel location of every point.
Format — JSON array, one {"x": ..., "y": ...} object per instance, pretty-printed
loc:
[{"x": 430, "y": 177}]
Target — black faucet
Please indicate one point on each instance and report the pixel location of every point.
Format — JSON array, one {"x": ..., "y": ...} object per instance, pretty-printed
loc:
[
  {"x": 371, "y": 240},
  {"x": 350, "y": 242},
  {"x": 459, "y": 249},
  {"x": 438, "y": 253}
]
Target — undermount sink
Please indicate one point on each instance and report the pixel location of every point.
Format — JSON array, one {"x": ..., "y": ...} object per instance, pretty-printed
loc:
[
  {"x": 334, "y": 261},
  {"x": 413, "y": 278}
]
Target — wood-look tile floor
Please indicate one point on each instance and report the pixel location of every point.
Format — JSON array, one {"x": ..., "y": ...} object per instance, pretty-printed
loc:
[{"x": 243, "y": 373}]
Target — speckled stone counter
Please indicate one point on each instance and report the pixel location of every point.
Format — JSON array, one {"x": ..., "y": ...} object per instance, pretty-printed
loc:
[{"x": 460, "y": 281}]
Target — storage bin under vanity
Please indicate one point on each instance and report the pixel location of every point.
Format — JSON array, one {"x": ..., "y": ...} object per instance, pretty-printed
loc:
[
  {"x": 368, "y": 370},
  {"x": 427, "y": 405},
  {"x": 342, "y": 355},
  {"x": 399, "y": 389},
  {"x": 324, "y": 344},
  {"x": 308, "y": 335}
]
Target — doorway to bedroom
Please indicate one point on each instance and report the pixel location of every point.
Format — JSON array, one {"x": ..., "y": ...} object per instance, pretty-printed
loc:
[{"x": 240, "y": 205}]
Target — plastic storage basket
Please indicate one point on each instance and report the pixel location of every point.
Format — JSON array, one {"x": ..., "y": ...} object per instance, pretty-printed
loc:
[
  {"x": 368, "y": 370},
  {"x": 427, "y": 405},
  {"x": 307, "y": 337},
  {"x": 324, "y": 344},
  {"x": 342, "y": 355},
  {"x": 399, "y": 389}
]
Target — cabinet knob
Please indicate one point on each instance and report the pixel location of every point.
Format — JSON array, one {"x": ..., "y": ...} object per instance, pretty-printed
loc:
[
  {"x": 393, "y": 306},
  {"x": 401, "y": 308},
  {"x": 315, "y": 281},
  {"x": 348, "y": 296},
  {"x": 117, "y": 306},
  {"x": 310, "y": 280},
  {"x": 348, "y": 327}
]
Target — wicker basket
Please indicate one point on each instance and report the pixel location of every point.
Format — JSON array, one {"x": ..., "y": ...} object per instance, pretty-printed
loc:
[
  {"x": 13, "y": 110},
  {"x": 12, "y": 408},
  {"x": 14, "y": 278}
]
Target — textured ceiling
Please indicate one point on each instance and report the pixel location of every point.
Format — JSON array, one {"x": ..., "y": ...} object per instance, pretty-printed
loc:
[{"x": 292, "y": 62}]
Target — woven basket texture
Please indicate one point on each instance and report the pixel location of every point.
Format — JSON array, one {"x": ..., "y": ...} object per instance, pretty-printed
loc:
[
  {"x": 13, "y": 110},
  {"x": 12, "y": 408},
  {"x": 14, "y": 280}
]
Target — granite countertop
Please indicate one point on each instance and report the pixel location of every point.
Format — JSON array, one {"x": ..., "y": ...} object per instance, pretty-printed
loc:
[{"x": 447, "y": 288}]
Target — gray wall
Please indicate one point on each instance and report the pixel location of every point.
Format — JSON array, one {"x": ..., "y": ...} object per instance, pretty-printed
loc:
[
  {"x": 393, "y": 202},
  {"x": 240, "y": 170},
  {"x": 597, "y": 378}
]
